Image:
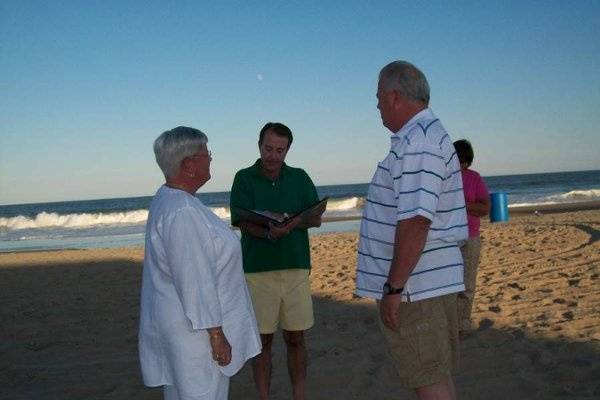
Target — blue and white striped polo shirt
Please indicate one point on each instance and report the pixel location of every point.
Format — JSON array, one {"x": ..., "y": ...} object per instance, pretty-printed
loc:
[{"x": 419, "y": 176}]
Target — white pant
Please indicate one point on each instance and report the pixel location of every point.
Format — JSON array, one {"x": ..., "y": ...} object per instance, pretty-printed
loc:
[{"x": 219, "y": 390}]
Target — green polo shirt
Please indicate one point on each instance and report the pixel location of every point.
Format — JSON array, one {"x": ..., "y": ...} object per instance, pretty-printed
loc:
[{"x": 291, "y": 192}]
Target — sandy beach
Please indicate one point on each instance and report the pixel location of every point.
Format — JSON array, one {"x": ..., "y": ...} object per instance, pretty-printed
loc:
[{"x": 69, "y": 321}]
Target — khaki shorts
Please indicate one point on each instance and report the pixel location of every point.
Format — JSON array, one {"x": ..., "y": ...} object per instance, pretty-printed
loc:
[
  {"x": 281, "y": 298},
  {"x": 425, "y": 348}
]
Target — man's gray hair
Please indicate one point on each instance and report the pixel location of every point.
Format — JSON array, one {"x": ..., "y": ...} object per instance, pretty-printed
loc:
[
  {"x": 407, "y": 79},
  {"x": 171, "y": 147}
]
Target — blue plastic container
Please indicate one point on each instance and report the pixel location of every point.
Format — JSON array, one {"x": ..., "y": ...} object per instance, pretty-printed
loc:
[{"x": 498, "y": 207}]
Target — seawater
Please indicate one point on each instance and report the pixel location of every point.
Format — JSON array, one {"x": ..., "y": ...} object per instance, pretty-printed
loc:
[{"x": 121, "y": 221}]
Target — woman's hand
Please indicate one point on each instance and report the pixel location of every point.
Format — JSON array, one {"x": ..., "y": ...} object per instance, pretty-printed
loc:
[{"x": 221, "y": 350}]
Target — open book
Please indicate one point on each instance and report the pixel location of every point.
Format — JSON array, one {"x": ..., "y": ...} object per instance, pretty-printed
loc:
[{"x": 267, "y": 217}]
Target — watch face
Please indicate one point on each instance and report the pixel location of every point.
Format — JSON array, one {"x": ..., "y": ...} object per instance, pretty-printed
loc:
[{"x": 386, "y": 288}]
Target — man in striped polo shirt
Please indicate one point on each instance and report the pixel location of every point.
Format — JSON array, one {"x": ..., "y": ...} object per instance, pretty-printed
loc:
[{"x": 413, "y": 220}]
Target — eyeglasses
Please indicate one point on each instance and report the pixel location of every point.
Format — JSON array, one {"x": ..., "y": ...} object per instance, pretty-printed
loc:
[{"x": 209, "y": 155}]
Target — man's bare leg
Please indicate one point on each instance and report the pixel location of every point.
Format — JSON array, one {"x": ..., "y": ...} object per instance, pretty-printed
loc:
[
  {"x": 261, "y": 367},
  {"x": 296, "y": 355},
  {"x": 443, "y": 390}
]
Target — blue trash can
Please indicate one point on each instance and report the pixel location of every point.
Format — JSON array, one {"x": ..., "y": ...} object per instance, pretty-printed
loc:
[{"x": 498, "y": 207}]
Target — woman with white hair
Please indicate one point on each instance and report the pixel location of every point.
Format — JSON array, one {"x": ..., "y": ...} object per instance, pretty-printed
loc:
[{"x": 197, "y": 325}]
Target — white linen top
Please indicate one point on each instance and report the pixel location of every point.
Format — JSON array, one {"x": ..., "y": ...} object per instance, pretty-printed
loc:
[
  {"x": 419, "y": 176},
  {"x": 192, "y": 280}
]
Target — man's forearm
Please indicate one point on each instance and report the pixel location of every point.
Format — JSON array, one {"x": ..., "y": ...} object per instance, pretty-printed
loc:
[{"x": 409, "y": 241}]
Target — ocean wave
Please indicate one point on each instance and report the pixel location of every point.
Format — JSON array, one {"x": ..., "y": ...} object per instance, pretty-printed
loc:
[
  {"x": 221, "y": 212},
  {"x": 544, "y": 203},
  {"x": 54, "y": 220},
  {"x": 334, "y": 207},
  {"x": 348, "y": 206},
  {"x": 577, "y": 195}
]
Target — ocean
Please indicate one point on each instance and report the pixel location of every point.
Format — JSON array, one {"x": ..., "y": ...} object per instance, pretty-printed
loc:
[{"x": 121, "y": 222}]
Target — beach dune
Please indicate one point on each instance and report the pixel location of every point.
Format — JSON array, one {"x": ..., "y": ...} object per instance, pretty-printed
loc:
[{"x": 69, "y": 321}]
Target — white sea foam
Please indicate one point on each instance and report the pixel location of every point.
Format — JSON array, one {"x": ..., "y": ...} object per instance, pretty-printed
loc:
[
  {"x": 578, "y": 195},
  {"x": 545, "y": 203},
  {"x": 54, "y": 220},
  {"x": 345, "y": 204},
  {"x": 222, "y": 212}
]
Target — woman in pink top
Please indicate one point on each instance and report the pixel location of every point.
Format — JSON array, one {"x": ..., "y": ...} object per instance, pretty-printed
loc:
[{"x": 478, "y": 205}]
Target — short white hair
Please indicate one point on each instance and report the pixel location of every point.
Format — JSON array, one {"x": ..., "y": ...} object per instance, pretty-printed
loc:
[
  {"x": 407, "y": 79},
  {"x": 173, "y": 146}
]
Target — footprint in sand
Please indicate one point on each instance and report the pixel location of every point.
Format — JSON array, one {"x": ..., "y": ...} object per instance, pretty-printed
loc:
[
  {"x": 541, "y": 317},
  {"x": 516, "y": 286},
  {"x": 485, "y": 324}
]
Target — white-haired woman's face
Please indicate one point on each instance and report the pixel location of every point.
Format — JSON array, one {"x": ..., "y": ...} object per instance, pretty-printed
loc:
[{"x": 201, "y": 164}]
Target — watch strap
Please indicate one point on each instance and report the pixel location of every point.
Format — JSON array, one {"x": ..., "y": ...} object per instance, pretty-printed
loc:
[{"x": 389, "y": 289}]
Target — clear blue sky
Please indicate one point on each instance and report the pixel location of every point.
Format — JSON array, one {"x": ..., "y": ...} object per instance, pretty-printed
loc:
[{"x": 87, "y": 86}]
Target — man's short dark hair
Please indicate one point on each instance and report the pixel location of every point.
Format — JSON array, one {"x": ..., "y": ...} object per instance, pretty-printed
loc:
[
  {"x": 279, "y": 129},
  {"x": 464, "y": 151}
]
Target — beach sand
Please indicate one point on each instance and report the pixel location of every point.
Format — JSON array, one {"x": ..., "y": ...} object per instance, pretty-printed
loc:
[{"x": 69, "y": 321}]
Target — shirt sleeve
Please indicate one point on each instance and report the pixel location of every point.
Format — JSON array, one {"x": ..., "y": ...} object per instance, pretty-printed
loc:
[
  {"x": 310, "y": 193},
  {"x": 191, "y": 257},
  {"x": 240, "y": 196},
  {"x": 418, "y": 174}
]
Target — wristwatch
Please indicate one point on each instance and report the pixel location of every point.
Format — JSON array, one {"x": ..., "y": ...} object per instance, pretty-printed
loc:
[{"x": 389, "y": 289}]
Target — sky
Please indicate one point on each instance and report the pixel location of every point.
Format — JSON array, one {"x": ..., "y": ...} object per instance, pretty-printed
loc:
[{"x": 86, "y": 86}]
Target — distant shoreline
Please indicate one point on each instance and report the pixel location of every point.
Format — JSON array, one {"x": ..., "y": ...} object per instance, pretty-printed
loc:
[
  {"x": 549, "y": 208},
  {"x": 555, "y": 207}
]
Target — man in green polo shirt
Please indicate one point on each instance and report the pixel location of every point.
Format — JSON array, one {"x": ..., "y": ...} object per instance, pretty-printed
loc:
[{"x": 277, "y": 259}]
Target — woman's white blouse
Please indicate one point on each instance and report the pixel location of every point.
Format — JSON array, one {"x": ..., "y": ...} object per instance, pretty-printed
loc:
[{"x": 192, "y": 280}]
